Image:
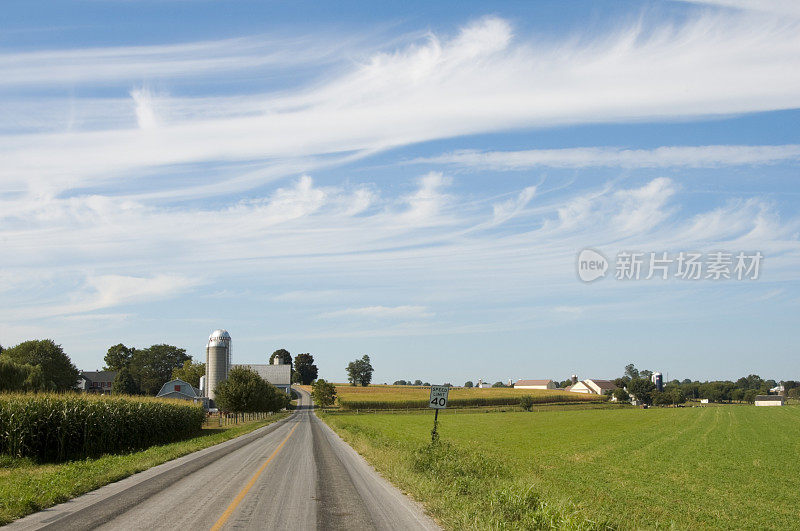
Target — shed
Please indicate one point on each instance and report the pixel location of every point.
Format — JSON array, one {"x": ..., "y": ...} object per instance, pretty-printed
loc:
[{"x": 769, "y": 400}]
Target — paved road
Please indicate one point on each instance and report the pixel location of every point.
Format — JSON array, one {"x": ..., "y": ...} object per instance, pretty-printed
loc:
[{"x": 297, "y": 475}]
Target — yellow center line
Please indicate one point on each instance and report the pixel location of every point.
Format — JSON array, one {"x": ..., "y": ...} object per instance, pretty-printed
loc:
[{"x": 239, "y": 497}]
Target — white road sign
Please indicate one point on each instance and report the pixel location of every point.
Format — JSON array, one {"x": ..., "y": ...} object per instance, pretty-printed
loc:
[{"x": 439, "y": 396}]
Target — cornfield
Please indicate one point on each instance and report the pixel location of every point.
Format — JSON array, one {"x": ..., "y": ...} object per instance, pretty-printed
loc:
[
  {"x": 479, "y": 398},
  {"x": 58, "y": 427}
]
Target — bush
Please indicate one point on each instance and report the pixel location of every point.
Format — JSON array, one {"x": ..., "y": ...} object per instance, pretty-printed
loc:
[
  {"x": 51, "y": 427},
  {"x": 526, "y": 402}
]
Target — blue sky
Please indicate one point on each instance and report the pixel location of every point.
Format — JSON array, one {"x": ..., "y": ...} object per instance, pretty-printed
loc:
[{"x": 410, "y": 182}]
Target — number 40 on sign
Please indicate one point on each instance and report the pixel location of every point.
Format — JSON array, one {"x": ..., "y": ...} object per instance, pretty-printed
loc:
[{"x": 439, "y": 396}]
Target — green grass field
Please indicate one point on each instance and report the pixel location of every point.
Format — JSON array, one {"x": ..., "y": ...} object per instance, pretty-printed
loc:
[
  {"x": 401, "y": 397},
  {"x": 27, "y": 486},
  {"x": 731, "y": 467}
]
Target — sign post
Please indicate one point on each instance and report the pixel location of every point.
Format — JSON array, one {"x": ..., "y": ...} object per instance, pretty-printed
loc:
[{"x": 437, "y": 401}]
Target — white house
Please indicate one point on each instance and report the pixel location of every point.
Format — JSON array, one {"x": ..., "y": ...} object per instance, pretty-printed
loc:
[
  {"x": 483, "y": 385},
  {"x": 535, "y": 384},
  {"x": 592, "y": 387},
  {"x": 769, "y": 400}
]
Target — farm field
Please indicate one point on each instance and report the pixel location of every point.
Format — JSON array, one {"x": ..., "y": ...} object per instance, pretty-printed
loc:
[
  {"x": 730, "y": 467},
  {"x": 27, "y": 486},
  {"x": 401, "y": 397}
]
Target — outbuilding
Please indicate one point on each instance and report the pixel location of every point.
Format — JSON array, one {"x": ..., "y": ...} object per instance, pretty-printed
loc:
[
  {"x": 769, "y": 400},
  {"x": 535, "y": 384}
]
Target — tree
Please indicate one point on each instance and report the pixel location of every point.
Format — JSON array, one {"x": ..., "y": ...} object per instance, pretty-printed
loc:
[
  {"x": 246, "y": 392},
  {"x": 621, "y": 394},
  {"x": 645, "y": 374},
  {"x": 400, "y": 382},
  {"x": 642, "y": 389},
  {"x": 426, "y": 384},
  {"x": 152, "y": 367},
  {"x": 118, "y": 356},
  {"x": 750, "y": 395},
  {"x": 284, "y": 355},
  {"x": 359, "y": 372},
  {"x": 469, "y": 384},
  {"x": 631, "y": 371},
  {"x": 323, "y": 393},
  {"x": 526, "y": 402},
  {"x": 124, "y": 383},
  {"x": 417, "y": 382},
  {"x": 19, "y": 377},
  {"x": 304, "y": 365},
  {"x": 498, "y": 384},
  {"x": 57, "y": 371},
  {"x": 190, "y": 372}
]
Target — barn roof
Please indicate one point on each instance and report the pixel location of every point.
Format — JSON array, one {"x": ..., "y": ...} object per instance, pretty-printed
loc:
[
  {"x": 533, "y": 382},
  {"x": 603, "y": 384}
]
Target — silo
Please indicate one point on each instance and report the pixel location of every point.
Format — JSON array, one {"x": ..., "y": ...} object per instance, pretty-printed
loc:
[
  {"x": 574, "y": 379},
  {"x": 658, "y": 380},
  {"x": 218, "y": 360}
]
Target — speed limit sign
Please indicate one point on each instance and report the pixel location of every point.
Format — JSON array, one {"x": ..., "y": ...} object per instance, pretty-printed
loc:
[{"x": 439, "y": 396}]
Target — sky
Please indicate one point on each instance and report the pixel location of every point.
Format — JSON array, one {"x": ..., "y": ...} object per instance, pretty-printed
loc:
[{"x": 413, "y": 181}]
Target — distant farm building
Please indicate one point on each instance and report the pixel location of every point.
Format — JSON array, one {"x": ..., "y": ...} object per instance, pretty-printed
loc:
[
  {"x": 482, "y": 385},
  {"x": 769, "y": 400},
  {"x": 704, "y": 400},
  {"x": 95, "y": 381},
  {"x": 535, "y": 384},
  {"x": 179, "y": 389},
  {"x": 278, "y": 374},
  {"x": 592, "y": 387}
]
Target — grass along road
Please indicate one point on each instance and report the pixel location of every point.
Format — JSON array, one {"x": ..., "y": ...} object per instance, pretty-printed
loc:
[
  {"x": 728, "y": 467},
  {"x": 27, "y": 487}
]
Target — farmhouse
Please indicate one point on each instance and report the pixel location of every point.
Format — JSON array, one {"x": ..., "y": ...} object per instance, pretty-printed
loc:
[
  {"x": 278, "y": 374},
  {"x": 769, "y": 400},
  {"x": 592, "y": 387},
  {"x": 95, "y": 381},
  {"x": 535, "y": 384}
]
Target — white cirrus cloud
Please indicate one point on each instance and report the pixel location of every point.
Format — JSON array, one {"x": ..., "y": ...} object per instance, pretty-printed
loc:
[
  {"x": 382, "y": 312},
  {"x": 484, "y": 79},
  {"x": 614, "y": 157}
]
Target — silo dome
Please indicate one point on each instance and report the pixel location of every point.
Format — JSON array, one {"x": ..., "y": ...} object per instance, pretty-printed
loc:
[{"x": 219, "y": 338}]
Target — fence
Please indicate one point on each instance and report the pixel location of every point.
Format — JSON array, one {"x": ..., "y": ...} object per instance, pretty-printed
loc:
[{"x": 232, "y": 419}]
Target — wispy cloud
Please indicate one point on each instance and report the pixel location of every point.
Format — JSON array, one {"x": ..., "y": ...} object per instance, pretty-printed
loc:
[
  {"x": 588, "y": 157},
  {"x": 382, "y": 312},
  {"x": 484, "y": 79}
]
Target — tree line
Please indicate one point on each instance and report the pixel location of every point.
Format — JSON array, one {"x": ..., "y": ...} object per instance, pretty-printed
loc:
[{"x": 639, "y": 384}]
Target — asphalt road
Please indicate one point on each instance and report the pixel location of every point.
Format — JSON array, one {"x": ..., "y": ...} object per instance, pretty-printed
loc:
[{"x": 296, "y": 475}]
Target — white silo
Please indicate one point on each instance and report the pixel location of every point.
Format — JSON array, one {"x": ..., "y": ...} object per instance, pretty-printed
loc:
[{"x": 218, "y": 360}]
